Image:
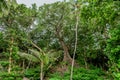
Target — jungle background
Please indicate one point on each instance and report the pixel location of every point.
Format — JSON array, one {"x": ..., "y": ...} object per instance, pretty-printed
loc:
[{"x": 73, "y": 40}]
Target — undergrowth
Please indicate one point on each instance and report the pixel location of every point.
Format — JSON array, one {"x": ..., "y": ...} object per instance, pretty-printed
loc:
[{"x": 82, "y": 74}]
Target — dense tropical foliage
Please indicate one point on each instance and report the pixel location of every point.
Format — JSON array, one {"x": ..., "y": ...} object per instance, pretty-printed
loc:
[{"x": 76, "y": 40}]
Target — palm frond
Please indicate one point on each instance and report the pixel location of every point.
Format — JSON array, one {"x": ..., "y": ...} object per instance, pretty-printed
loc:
[
  {"x": 54, "y": 55},
  {"x": 36, "y": 53},
  {"x": 28, "y": 56},
  {"x": 45, "y": 58}
]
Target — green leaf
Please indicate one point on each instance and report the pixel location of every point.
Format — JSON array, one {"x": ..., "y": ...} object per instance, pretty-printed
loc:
[
  {"x": 28, "y": 56},
  {"x": 36, "y": 53}
]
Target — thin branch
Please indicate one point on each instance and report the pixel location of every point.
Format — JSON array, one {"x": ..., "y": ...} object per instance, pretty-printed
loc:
[
  {"x": 76, "y": 35},
  {"x": 37, "y": 47}
]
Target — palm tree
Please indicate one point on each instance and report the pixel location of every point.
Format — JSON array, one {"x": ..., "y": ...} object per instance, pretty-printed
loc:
[{"x": 43, "y": 58}]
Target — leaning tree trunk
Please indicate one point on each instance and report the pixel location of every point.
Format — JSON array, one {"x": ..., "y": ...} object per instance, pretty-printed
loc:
[
  {"x": 67, "y": 57},
  {"x": 58, "y": 29}
]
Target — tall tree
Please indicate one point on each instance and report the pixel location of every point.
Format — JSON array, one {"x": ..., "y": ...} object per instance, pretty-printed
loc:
[
  {"x": 18, "y": 20},
  {"x": 55, "y": 18}
]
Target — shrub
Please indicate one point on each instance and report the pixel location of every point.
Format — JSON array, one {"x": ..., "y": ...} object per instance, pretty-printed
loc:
[{"x": 81, "y": 74}]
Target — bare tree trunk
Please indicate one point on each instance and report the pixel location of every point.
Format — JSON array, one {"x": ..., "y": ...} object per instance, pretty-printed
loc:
[
  {"x": 10, "y": 61},
  {"x": 41, "y": 71},
  {"x": 58, "y": 28},
  {"x": 76, "y": 35},
  {"x": 23, "y": 66},
  {"x": 67, "y": 57},
  {"x": 85, "y": 60},
  {"x": 10, "y": 56}
]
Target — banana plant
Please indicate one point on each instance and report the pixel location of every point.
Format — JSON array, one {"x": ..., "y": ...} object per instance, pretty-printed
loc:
[{"x": 45, "y": 59}]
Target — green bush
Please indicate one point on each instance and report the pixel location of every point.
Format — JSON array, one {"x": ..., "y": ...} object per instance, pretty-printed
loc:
[
  {"x": 113, "y": 52},
  {"x": 10, "y": 76},
  {"x": 32, "y": 73},
  {"x": 81, "y": 74}
]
